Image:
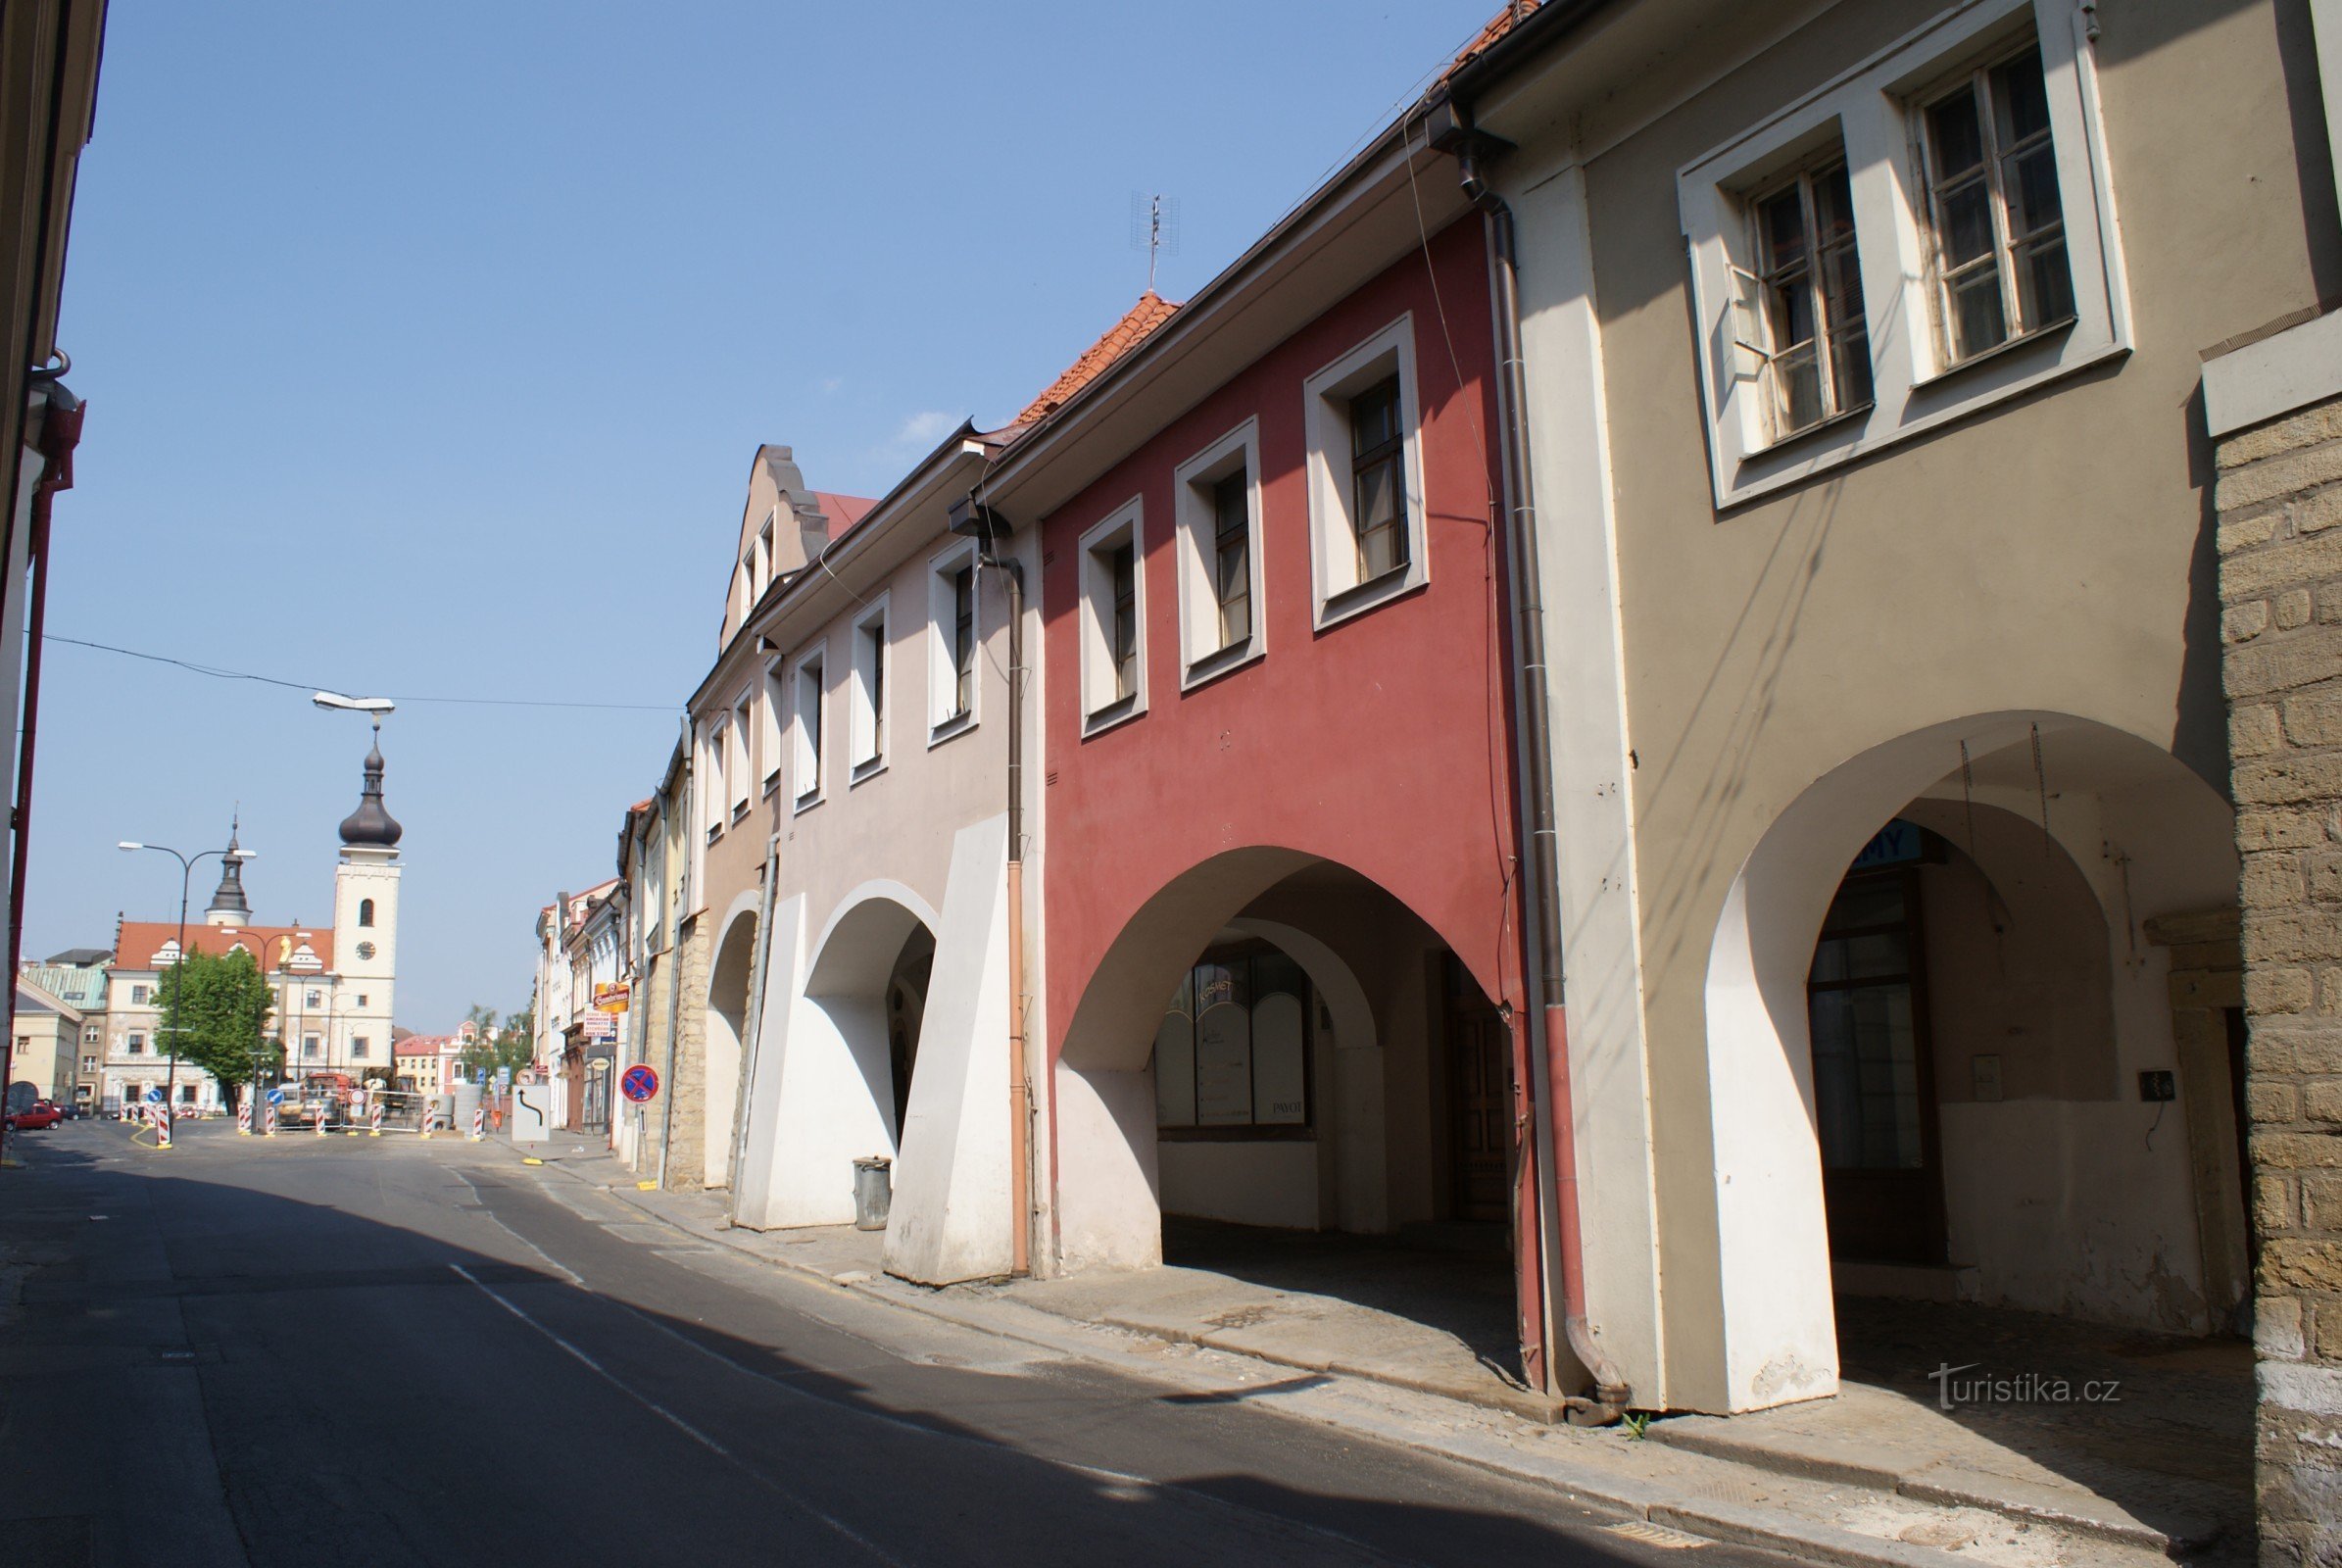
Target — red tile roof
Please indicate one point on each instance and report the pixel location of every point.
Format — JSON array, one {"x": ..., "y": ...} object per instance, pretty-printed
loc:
[
  {"x": 1141, "y": 319},
  {"x": 842, "y": 512},
  {"x": 1514, "y": 13},
  {"x": 136, "y": 943}
]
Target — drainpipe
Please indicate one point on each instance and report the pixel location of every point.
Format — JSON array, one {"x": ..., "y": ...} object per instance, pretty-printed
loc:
[
  {"x": 987, "y": 527},
  {"x": 1548, "y": 1023},
  {"x": 675, "y": 846}
]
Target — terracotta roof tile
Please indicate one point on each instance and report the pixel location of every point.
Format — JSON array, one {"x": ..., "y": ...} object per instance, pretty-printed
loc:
[
  {"x": 137, "y": 942},
  {"x": 842, "y": 512},
  {"x": 1511, "y": 16},
  {"x": 1141, "y": 319}
]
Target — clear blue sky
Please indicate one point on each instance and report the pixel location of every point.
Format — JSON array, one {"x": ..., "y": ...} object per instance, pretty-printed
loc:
[{"x": 426, "y": 347}]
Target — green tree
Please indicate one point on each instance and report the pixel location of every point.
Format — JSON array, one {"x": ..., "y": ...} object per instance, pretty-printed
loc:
[
  {"x": 513, "y": 1045},
  {"x": 219, "y": 1007}
]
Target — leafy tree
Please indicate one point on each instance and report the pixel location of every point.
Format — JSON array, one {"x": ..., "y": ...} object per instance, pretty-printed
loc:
[
  {"x": 513, "y": 1045},
  {"x": 219, "y": 1007}
]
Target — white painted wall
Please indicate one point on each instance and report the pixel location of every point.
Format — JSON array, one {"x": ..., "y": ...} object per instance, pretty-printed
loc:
[
  {"x": 1250, "y": 1182},
  {"x": 1107, "y": 1215}
]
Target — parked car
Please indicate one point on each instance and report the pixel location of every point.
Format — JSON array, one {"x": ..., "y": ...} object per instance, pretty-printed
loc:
[{"x": 44, "y": 1113}]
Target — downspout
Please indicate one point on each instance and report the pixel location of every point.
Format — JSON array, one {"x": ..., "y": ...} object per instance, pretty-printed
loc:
[
  {"x": 61, "y": 431},
  {"x": 1548, "y": 1023},
  {"x": 973, "y": 517},
  {"x": 679, "y": 847}
]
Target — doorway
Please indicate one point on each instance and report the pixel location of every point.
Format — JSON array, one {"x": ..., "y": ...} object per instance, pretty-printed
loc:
[
  {"x": 1478, "y": 1110},
  {"x": 1875, "y": 1109}
]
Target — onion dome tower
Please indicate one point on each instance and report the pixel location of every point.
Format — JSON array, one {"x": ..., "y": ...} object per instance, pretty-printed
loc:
[
  {"x": 365, "y": 929},
  {"x": 228, "y": 905}
]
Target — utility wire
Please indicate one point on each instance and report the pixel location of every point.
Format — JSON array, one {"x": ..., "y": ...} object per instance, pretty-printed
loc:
[{"x": 216, "y": 672}]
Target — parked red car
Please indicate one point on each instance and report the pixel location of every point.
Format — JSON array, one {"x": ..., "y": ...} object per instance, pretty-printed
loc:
[{"x": 42, "y": 1114}]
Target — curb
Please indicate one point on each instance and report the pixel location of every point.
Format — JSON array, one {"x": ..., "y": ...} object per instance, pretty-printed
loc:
[{"x": 1620, "y": 1497}]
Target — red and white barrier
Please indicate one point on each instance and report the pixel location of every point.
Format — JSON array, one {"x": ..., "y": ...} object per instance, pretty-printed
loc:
[
  {"x": 244, "y": 1117},
  {"x": 479, "y": 1123},
  {"x": 430, "y": 1117},
  {"x": 162, "y": 1126},
  {"x": 269, "y": 1122},
  {"x": 321, "y": 1104},
  {"x": 373, "y": 1118}
]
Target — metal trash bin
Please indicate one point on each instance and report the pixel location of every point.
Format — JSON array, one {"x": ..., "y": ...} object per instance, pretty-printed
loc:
[{"x": 873, "y": 1192}]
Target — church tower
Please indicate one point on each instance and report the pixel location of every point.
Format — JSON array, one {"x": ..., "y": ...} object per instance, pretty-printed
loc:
[
  {"x": 365, "y": 929},
  {"x": 228, "y": 905}
]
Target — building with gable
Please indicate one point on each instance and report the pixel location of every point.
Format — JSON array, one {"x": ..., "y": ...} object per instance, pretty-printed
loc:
[{"x": 76, "y": 977}]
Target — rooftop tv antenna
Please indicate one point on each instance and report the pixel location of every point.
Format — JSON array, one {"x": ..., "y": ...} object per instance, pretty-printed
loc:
[{"x": 1155, "y": 227}]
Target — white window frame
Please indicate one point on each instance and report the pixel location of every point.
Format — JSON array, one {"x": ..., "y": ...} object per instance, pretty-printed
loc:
[
  {"x": 1333, "y": 549},
  {"x": 1101, "y": 707},
  {"x": 713, "y": 780},
  {"x": 942, "y": 670},
  {"x": 740, "y": 764},
  {"x": 770, "y": 703},
  {"x": 806, "y": 738},
  {"x": 1875, "y": 108},
  {"x": 1202, "y": 657},
  {"x": 869, "y": 691}
]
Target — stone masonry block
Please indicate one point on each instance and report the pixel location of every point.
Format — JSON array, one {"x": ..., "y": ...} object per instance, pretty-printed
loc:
[
  {"x": 2277, "y": 1329},
  {"x": 2325, "y": 875},
  {"x": 2248, "y": 532},
  {"x": 2289, "y": 936},
  {"x": 2322, "y": 1102},
  {"x": 2303, "y": 1262},
  {"x": 2318, "y": 510},
  {"x": 2328, "y": 1336},
  {"x": 2303, "y": 468},
  {"x": 2253, "y": 731},
  {"x": 2291, "y": 608},
  {"x": 2297, "y": 1151},
  {"x": 2286, "y": 663},
  {"x": 2271, "y": 881},
  {"x": 2305, "y": 428},
  {"x": 2289, "y": 779},
  {"x": 2281, "y": 829},
  {"x": 2313, "y": 718},
  {"x": 2281, "y": 565},
  {"x": 2273, "y": 1208},
  {"x": 2241, "y": 623},
  {"x": 2272, "y": 1103},
  {"x": 2278, "y": 989}
]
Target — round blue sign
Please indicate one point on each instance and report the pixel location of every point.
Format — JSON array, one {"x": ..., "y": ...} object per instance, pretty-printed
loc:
[{"x": 638, "y": 1082}]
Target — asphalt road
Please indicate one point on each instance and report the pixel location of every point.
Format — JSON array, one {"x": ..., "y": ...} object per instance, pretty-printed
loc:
[{"x": 308, "y": 1351}]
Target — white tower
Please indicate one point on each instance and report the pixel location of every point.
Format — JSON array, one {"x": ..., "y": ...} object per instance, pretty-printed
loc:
[{"x": 366, "y": 932}]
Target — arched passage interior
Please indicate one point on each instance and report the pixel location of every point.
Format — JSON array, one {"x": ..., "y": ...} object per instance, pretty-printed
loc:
[{"x": 727, "y": 1029}]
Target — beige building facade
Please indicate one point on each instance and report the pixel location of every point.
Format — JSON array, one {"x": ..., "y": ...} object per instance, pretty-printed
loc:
[{"x": 1897, "y": 854}]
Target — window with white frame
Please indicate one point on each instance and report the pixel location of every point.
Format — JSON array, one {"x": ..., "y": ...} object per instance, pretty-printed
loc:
[
  {"x": 806, "y": 726},
  {"x": 1113, "y": 615},
  {"x": 1216, "y": 494},
  {"x": 134, "y": 1044},
  {"x": 867, "y": 693},
  {"x": 1802, "y": 314},
  {"x": 1999, "y": 227},
  {"x": 956, "y": 638},
  {"x": 1366, "y": 474},
  {"x": 739, "y": 764},
  {"x": 771, "y": 703},
  {"x": 1969, "y": 256},
  {"x": 713, "y": 776}
]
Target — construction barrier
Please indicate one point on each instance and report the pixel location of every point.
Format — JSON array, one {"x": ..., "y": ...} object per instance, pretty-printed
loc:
[
  {"x": 162, "y": 1126},
  {"x": 479, "y": 1122},
  {"x": 320, "y": 1118},
  {"x": 269, "y": 1123},
  {"x": 373, "y": 1118},
  {"x": 430, "y": 1118},
  {"x": 244, "y": 1117}
]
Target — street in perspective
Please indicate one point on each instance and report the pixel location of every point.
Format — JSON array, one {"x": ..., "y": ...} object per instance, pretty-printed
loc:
[{"x": 1546, "y": 779}]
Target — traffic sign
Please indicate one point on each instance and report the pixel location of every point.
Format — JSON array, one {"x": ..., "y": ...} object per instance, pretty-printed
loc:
[
  {"x": 275, "y": 1097},
  {"x": 640, "y": 1082},
  {"x": 153, "y": 1095},
  {"x": 504, "y": 1077}
]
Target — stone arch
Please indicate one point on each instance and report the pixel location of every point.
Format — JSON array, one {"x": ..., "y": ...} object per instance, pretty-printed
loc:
[
  {"x": 2126, "y": 818},
  {"x": 1109, "y": 1178},
  {"x": 729, "y": 974}
]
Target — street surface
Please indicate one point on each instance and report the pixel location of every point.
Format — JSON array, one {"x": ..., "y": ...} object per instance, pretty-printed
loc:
[{"x": 306, "y": 1352}]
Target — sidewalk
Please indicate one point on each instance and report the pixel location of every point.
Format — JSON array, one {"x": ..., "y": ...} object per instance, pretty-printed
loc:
[{"x": 1874, "y": 1476}]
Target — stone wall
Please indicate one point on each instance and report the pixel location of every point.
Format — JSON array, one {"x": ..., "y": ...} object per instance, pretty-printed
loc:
[
  {"x": 2280, "y": 546},
  {"x": 686, "y": 1162}
]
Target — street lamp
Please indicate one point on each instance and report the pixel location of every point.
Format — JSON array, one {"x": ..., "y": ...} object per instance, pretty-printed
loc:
[{"x": 236, "y": 857}]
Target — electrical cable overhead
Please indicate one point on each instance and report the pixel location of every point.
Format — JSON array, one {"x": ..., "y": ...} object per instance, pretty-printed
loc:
[{"x": 219, "y": 672}]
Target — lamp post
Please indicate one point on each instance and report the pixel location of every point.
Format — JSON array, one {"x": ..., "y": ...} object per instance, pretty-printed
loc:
[{"x": 187, "y": 863}]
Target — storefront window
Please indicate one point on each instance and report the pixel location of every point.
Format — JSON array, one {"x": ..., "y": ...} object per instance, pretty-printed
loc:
[{"x": 1233, "y": 1049}]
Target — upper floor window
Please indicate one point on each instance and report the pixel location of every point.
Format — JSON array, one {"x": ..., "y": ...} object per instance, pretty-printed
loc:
[
  {"x": 1365, "y": 470},
  {"x": 1993, "y": 197},
  {"x": 135, "y": 1043},
  {"x": 957, "y": 637},
  {"x": 315, "y": 998},
  {"x": 360, "y": 1047},
  {"x": 1927, "y": 235},
  {"x": 1218, "y": 526},
  {"x": 365, "y": 911},
  {"x": 739, "y": 764},
  {"x": 771, "y": 701},
  {"x": 809, "y": 711},
  {"x": 1112, "y": 618},
  {"x": 1813, "y": 339},
  {"x": 138, "y": 996},
  {"x": 868, "y": 721},
  {"x": 91, "y": 1033}
]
